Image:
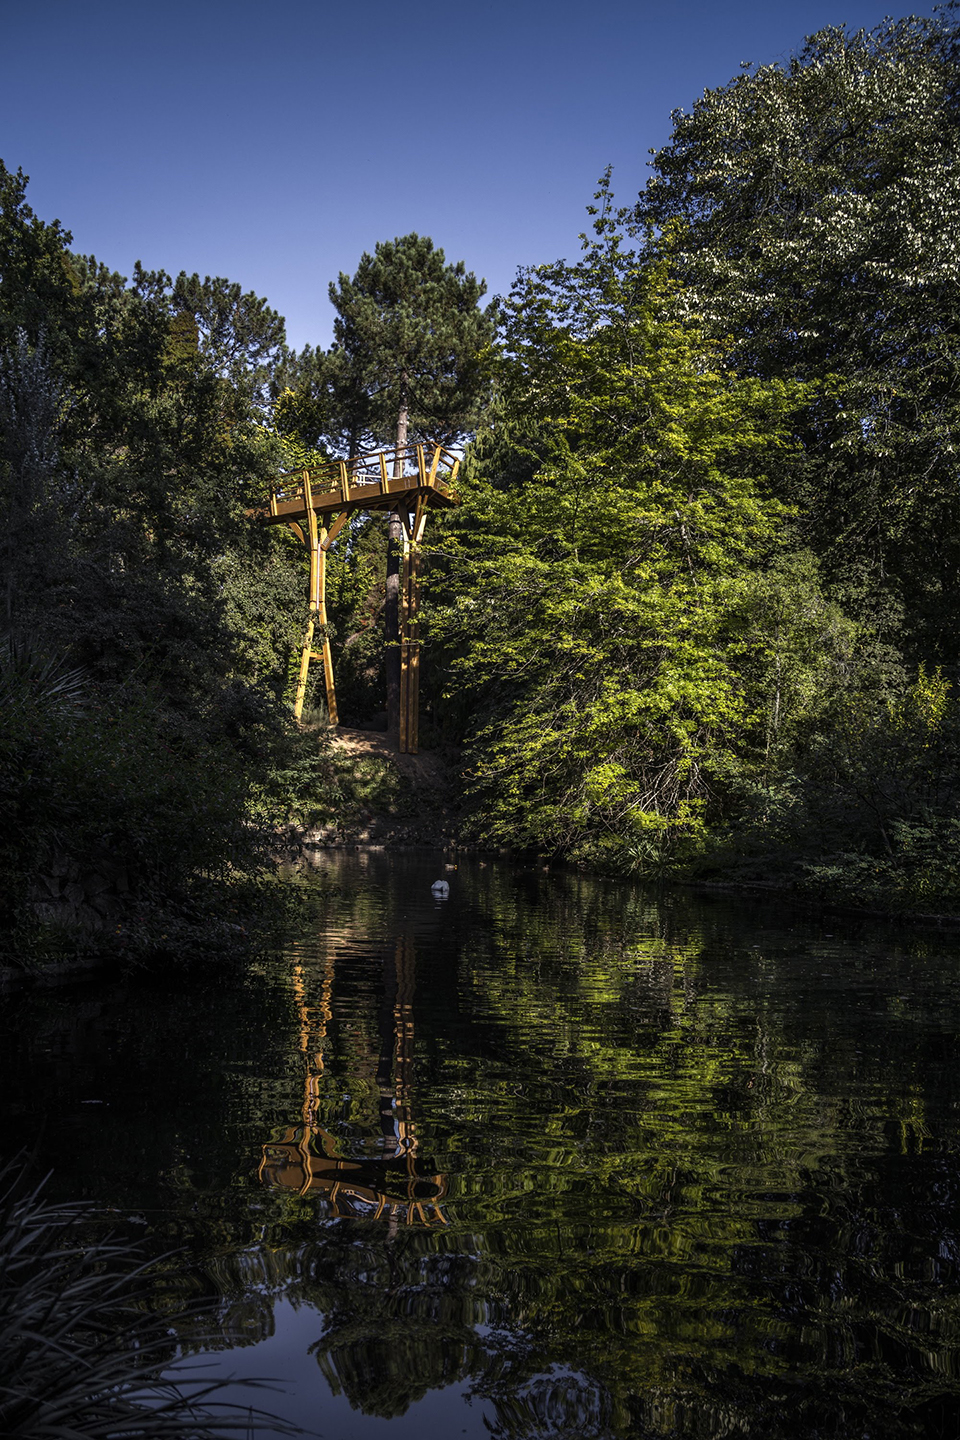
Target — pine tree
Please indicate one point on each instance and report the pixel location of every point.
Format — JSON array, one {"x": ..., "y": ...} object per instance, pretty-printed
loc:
[{"x": 407, "y": 362}]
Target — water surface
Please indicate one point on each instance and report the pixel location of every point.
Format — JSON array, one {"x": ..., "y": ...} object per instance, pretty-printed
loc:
[{"x": 551, "y": 1157}]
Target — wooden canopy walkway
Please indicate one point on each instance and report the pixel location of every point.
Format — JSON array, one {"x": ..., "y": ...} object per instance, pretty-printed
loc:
[{"x": 318, "y": 501}]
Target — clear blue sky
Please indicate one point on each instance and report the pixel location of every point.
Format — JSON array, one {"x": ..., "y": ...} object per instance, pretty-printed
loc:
[{"x": 273, "y": 143}]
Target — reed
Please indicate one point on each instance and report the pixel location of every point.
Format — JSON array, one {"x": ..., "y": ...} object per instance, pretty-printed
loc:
[{"x": 82, "y": 1354}]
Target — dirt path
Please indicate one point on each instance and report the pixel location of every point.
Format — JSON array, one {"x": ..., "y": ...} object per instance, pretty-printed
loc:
[
  {"x": 432, "y": 769},
  {"x": 428, "y": 814}
]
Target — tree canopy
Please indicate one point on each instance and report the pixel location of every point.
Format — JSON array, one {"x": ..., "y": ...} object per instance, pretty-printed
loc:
[
  {"x": 407, "y": 358},
  {"x": 811, "y": 209},
  {"x": 605, "y": 589}
]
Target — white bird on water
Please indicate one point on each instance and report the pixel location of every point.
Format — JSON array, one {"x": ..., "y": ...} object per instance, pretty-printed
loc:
[{"x": 441, "y": 889}]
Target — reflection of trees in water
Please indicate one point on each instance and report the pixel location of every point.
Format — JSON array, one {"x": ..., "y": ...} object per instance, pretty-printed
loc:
[
  {"x": 666, "y": 1215},
  {"x": 692, "y": 1188},
  {"x": 404, "y": 1320},
  {"x": 385, "y": 1372}
]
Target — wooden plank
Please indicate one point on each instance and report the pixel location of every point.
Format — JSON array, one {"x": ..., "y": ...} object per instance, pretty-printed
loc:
[
  {"x": 375, "y": 496},
  {"x": 360, "y": 497},
  {"x": 330, "y": 476},
  {"x": 314, "y": 544},
  {"x": 420, "y": 518}
]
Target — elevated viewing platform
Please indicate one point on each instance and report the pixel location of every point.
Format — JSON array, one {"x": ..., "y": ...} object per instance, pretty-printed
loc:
[
  {"x": 382, "y": 480},
  {"x": 317, "y": 502}
]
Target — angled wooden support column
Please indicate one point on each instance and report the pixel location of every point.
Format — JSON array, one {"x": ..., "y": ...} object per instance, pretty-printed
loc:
[
  {"x": 326, "y": 655},
  {"x": 413, "y": 528},
  {"x": 408, "y": 740},
  {"x": 317, "y": 542},
  {"x": 312, "y": 544}
]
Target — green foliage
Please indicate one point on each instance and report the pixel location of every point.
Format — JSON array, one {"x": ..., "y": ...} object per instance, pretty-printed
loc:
[
  {"x": 811, "y": 209},
  {"x": 798, "y": 653},
  {"x": 110, "y": 800},
  {"x": 868, "y": 811},
  {"x": 698, "y": 560},
  {"x": 409, "y": 338},
  {"x": 131, "y": 445},
  {"x": 310, "y": 783},
  {"x": 920, "y": 872},
  {"x": 603, "y": 578},
  {"x": 236, "y": 334},
  {"x": 316, "y": 409},
  {"x": 355, "y": 601}
]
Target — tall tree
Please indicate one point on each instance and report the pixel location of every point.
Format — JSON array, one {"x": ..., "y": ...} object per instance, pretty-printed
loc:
[
  {"x": 408, "y": 337},
  {"x": 407, "y": 362},
  {"x": 237, "y": 334},
  {"x": 819, "y": 208},
  {"x": 130, "y": 445},
  {"x": 609, "y": 651}
]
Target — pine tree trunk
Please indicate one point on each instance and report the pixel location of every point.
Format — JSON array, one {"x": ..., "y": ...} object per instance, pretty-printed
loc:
[{"x": 391, "y": 614}]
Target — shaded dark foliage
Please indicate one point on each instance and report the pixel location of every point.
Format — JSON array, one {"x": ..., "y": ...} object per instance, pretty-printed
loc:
[{"x": 81, "y": 1352}]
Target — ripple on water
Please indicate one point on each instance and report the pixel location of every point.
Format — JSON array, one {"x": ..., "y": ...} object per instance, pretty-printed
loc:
[{"x": 552, "y": 1157}]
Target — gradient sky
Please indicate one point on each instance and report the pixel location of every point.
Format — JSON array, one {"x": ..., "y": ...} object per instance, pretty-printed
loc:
[{"x": 274, "y": 143}]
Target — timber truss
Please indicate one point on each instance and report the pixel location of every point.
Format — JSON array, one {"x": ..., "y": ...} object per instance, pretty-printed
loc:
[{"x": 318, "y": 501}]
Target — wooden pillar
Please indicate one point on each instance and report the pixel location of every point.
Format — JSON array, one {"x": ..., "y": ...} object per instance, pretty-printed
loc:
[
  {"x": 325, "y": 652},
  {"x": 312, "y": 542},
  {"x": 409, "y": 651},
  {"x": 393, "y": 623},
  {"x": 410, "y": 632},
  {"x": 316, "y": 540}
]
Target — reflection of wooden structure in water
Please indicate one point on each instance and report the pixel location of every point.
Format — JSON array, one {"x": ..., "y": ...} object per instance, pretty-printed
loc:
[
  {"x": 392, "y": 1187},
  {"x": 318, "y": 502}
]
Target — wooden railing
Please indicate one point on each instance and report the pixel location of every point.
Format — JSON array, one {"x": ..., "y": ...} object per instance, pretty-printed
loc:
[{"x": 369, "y": 479}]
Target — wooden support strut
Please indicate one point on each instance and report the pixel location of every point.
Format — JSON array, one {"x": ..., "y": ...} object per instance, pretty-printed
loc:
[{"x": 317, "y": 540}]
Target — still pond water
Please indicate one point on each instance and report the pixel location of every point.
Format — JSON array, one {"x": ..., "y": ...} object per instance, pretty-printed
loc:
[{"x": 552, "y": 1157}]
